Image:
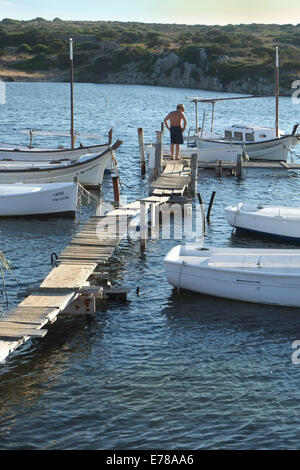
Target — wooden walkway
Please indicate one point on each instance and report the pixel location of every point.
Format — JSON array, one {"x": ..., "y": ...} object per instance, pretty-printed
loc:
[
  {"x": 89, "y": 249},
  {"x": 175, "y": 179}
]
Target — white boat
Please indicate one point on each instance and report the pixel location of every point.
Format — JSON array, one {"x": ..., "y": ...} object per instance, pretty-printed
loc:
[
  {"x": 38, "y": 199},
  {"x": 89, "y": 169},
  {"x": 267, "y": 276},
  {"x": 213, "y": 154},
  {"x": 260, "y": 143},
  {"x": 277, "y": 221},
  {"x": 32, "y": 154}
]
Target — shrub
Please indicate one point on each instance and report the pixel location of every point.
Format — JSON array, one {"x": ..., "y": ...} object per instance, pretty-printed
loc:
[
  {"x": 41, "y": 49},
  {"x": 24, "y": 48}
]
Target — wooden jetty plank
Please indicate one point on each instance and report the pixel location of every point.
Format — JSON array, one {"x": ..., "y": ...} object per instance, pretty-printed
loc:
[
  {"x": 50, "y": 300},
  {"x": 66, "y": 276},
  {"x": 20, "y": 332}
]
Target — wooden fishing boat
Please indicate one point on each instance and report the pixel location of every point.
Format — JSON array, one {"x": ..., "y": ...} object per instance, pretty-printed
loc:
[
  {"x": 213, "y": 154},
  {"x": 39, "y": 154},
  {"x": 19, "y": 200},
  {"x": 276, "y": 221},
  {"x": 259, "y": 143},
  {"x": 267, "y": 276},
  {"x": 89, "y": 169}
]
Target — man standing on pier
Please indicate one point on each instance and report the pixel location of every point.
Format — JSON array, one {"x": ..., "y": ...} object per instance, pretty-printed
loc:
[{"x": 176, "y": 129}]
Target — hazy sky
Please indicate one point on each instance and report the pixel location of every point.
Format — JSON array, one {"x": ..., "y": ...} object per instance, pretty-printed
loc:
[{"x": 157, "y": 11}]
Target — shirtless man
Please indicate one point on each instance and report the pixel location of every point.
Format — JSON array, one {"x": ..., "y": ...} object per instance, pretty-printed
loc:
[{"x": 175, "y": 128}]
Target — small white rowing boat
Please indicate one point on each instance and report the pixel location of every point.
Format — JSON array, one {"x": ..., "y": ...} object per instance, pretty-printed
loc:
[
  {"x": 276, "y": 221},
  {"x": 267, "y": 276},
  {"x": 38, "y": 199},
  {"x": 89, "y": 169}
]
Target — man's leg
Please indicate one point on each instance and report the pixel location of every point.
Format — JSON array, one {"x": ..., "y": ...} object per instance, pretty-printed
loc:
[
  {"x": 172, "y": 151},
  {"x": 177, "y": 151}
]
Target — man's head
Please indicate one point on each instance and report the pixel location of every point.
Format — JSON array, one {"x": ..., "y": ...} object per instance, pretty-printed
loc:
[{"x": 180, "y": 107}]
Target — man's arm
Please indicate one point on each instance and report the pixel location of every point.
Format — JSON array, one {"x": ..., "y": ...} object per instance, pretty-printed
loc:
[
  {"x": 184, "y": 122},
  {"x": 166, "y": 121}
]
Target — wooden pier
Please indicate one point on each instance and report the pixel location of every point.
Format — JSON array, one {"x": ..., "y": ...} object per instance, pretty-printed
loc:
[{"x": 75, "y": 284}]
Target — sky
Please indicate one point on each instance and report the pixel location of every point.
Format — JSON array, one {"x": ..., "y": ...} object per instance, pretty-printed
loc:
[{"x": 156, "y": 11}]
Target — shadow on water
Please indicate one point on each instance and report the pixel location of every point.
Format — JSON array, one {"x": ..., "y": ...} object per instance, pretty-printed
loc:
[{"x": 193, "y": 310}]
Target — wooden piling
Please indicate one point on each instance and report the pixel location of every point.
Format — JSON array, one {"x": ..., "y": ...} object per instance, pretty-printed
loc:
[
  {"x": 143, "y": 225},
  {"x": 220, "y": 169},
  {"x": 142, "y": 150},
  {"x": 202, "y": 213},
  {"x": 158, "y": 153},
  {"x": 239, "y": 165},
  {"x": 194, "y": 173},
  {"x": 210, "y": 205},
  {"x": 116, "y": 188},
  {"x": 110, "y": 135}
]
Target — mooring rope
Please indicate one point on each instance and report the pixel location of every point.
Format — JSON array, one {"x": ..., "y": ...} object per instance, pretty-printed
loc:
[{"x": 4, "y": 266}]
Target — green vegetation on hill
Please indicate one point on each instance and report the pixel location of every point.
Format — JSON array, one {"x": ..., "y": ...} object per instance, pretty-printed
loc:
[{"x": 228, "y": 53}]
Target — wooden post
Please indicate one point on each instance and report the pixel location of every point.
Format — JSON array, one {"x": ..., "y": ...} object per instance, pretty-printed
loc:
[
  {"x": 110, "y": 134},
  {"x": 239, "y": 165},
  {"x": 72, "y": 94},
  {"x": 158, "y": 153},
  {"x": 31, "y": 137},
  {"x": 212, "y": 116},
  {"x": 220, "y": 169},
  {"x": 194, "y": 173},
  {"x": 142, "y": 150},
  {"x": 277, "y": 93},
  {"x": 143, "y": 225},
  {"x": 115, "y": 180},
  {"x": 202, "y": 213},
  {"x": 210, "y": 205}
]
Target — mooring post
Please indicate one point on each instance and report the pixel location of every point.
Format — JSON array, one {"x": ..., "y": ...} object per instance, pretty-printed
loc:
[
  {"x": 143, "y": 225},
  {"x": 220, "y": 169},
  {"x": 210, "y": 205},
  {"x": 239, "y": 165},
  {"x": 194, "y": 173},
  {"x": 110, "y": 134},
  {"x": 202, "y": 213},
  {"x": 158, "y": 153},
  {"x": 116, "y": 188},
  {"x": 142, "y": 150}
]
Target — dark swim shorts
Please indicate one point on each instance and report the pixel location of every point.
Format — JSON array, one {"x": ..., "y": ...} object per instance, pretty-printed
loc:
[{"x": 176, "y": 135}]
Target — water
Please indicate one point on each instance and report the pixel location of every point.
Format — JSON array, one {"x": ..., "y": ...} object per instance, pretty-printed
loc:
[{"x": 162, "y": 370}]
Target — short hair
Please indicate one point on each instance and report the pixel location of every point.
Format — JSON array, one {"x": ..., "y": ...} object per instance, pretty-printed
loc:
[{"x": 180, "y": 106}]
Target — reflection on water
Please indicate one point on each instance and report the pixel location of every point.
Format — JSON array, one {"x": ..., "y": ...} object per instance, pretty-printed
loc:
[{"x": 165, "y": 369}]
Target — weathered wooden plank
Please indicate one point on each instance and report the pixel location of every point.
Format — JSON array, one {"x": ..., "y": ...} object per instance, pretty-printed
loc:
[
  {"x": 49, "y": 300},
  {"x": 66, "y": 276},
  {"x": 20, "y": 332}
]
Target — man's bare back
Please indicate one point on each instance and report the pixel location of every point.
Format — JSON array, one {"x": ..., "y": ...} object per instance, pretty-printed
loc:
[{"x": 175, "y": 118}]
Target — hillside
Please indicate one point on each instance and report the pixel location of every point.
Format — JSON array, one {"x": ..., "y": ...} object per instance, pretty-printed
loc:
[{"x": 237, "y": 58}]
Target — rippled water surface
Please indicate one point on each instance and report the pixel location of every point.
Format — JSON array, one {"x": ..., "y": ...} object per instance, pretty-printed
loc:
[{"x": 164, "y": 370}]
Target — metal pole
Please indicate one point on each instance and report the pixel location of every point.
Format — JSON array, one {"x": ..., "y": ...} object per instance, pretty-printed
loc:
[
  {"x": 72, "y": 93},
  {"x": 277, "y": 92}
]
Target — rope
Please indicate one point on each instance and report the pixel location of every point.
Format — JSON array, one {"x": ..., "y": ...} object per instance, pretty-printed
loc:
[{"x": 4, "y": 265}]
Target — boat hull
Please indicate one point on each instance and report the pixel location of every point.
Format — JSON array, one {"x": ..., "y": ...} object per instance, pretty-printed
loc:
[
  {"x": 281, "y": 222},
  {"x": 21, "y": 153},
  {"x": 88, "y": 169},
  {"x": 270, "y": 285},
  {"x": 205, "y": 154},
  {"x": 38, "y": 200},
  {"x": 273, "y": 150}
]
